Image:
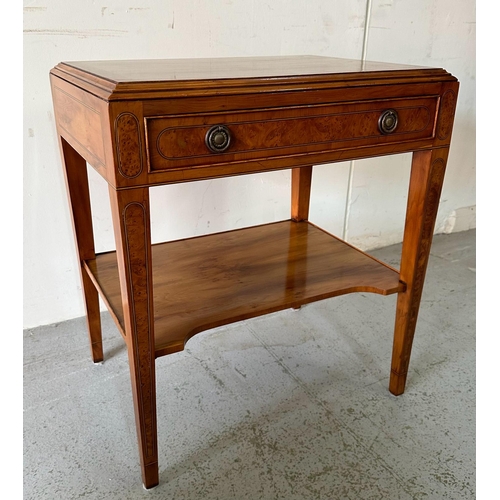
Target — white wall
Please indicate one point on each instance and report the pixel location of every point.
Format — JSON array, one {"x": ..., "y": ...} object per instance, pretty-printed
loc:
[{"x": 363, "y": 200}]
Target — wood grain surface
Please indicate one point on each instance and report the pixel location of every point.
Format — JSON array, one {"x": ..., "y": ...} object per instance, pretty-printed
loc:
[
  {"x": 131, "y": 223},
  {"x": 179, "y": 141},
  {"x": 143, "y": 123},
  {"x": 154, "y": 78},
  {"x": 223, "y": 68},
  {"x": 204, "y": 282},
  {"x": 426, "y": 181}
]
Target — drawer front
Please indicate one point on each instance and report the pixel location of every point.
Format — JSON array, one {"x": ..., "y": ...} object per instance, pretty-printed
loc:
[{"x": 182, "y": 141}]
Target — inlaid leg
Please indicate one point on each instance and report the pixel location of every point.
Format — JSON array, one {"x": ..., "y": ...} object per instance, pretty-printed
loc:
[
  {"x": 426, "y": 180},
  {"x": 75, "y": 168},
  {"x": 131, "y": 221},
  {"x": 301, "y": 192}
]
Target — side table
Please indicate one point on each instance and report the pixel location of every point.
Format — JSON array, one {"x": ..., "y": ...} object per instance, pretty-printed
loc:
[{"x": 144, "y": 123}]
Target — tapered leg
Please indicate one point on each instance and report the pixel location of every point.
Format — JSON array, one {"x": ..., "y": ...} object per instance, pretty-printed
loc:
[
  {"x": 426, "y": 180},
  {"x": 75, "y": 169},
  {"x": 301, "y": 192},
  {"x": 131, "y": 221}
]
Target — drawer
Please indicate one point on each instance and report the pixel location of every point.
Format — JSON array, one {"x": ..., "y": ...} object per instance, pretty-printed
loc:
[{"x": 182, "y": 141}]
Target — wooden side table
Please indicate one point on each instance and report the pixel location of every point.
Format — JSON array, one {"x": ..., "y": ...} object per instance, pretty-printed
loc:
[{"x": 153, "y": 122}]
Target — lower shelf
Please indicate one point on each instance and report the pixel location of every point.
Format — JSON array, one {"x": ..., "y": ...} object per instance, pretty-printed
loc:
[{"x": 208, "y": 281}]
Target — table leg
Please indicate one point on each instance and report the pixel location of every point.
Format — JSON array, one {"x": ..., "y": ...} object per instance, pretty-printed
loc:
[
  {"x": 131, "y": 221},
  {"x": 301, "y": 192},
  {"x": 426, "y": 180},
  {"x": 75, "y": 169}
]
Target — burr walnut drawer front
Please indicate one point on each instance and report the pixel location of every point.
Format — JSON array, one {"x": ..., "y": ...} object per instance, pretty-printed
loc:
[{"x": 182, "y": 141}]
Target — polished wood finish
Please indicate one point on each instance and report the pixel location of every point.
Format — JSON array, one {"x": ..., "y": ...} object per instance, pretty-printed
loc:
[
  {"x": 179, "y": 141},
  {"x": 426, "y": 180},
  {"x": 301, "y": 193},
  {"x": 131, "y": 222},
  {"x": 236, "y": 275},
  {"x": 143, "y": 123},
  {"x": 154, "y": 79},
  {"x": 75, "y": 170},
  {"x": 364, "y": 94},
  {"x": 172, "y": 71},
  {"x": 81, "y": 119}
]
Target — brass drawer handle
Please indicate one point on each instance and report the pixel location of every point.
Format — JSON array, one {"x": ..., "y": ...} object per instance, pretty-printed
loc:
[
  {"x": 218, "y": 138},
  {"x": 388, "y": 121}
]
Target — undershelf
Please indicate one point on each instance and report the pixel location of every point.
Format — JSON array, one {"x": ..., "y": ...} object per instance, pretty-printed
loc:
[{"x": 208, "y": 281}]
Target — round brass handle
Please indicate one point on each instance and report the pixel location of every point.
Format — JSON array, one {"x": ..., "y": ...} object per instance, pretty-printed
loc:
[
  {"x": 218, "y": 138},
  {"x": 388, "y": 121}
]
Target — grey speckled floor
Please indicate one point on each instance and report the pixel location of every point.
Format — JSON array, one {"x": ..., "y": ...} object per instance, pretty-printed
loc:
[{"x": 289, "y": 406}]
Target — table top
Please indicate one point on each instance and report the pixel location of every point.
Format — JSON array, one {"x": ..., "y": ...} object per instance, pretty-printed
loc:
[
  {"x": 126, "y": 77},
  {"x": 164, "y": 70}
]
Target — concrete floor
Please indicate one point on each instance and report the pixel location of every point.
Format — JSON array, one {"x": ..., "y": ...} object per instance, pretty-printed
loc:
[{"x": 293, "y": 405}]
